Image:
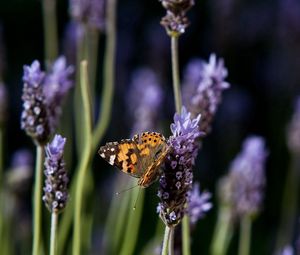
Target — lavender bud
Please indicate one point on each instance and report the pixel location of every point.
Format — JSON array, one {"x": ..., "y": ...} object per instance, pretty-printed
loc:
[
  {"x": 202, "y": 89},
  {"x": 198, "y": 203},
  {"x": 3, "y": 104},
  {"x": 246, "y": 179},
  {"x": 90, "y": 12},
  {"x": 177, "y": 176},
  {"x": 55, "y": 189},
  {"x": 293, "y": 134},
  {"x": 144, "y": 101},
  {"x": 175, "y": 21},
  {"x": 34, "y": 118}
]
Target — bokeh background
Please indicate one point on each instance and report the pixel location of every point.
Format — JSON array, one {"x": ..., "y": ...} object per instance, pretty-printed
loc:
[{"x": 260, "y": 44}]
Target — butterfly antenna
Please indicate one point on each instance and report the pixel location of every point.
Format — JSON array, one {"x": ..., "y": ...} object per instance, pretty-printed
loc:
[
  {"x": 137, "y": 198},
  {"x": 122, "y": 191}
]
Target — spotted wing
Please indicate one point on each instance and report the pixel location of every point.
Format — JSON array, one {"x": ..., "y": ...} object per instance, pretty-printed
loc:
[
  {"x": 124, "y": 155},
  {"x": 153, "y": 149},
  {"x": 153, "y": 172}
]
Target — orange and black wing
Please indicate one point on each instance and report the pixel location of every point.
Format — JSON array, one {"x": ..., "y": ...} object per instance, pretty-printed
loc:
[{"x": 123, "y": 155}]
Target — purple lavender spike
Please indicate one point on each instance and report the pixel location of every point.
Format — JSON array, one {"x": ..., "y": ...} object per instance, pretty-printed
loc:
[
  {"x": 177, "y": 176},
  {"x": 55, "y": 189}
]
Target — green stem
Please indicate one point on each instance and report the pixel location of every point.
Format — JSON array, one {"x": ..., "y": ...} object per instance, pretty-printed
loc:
[
  {"x": 66, "y": 220},
  {"x": 54, "y": 218},
  {"x": 1, "y": 158},
  {"x": 175, "y": 73},
  {"x": 81, "y": 54},
  {"x": 166, "y": 241},
  {"x": 186, "y": 242},
  {"x": 245, "y": 235},
  {"x": 116, "y": 219},
  {"x": 84, "y": 162},
  {"x": 50, "y": 28},
  {"x": 171, "y": 241},
  {"x": 2, "y": 203},
  {"x": 92, "y": 42},
  {"x": 1, "y": 188},
  {"x": 37, "y": 202},
  {"x": 133, "y": 222},
  {"x": 289, "y": 205},
  {"x": 107, "y": 96},
  {"x": 223, "y": 232},
  {"x": 109, "y": 74}
]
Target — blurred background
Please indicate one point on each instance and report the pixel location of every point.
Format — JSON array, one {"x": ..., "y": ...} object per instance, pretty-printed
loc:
[{"x": 260, "y": 44}]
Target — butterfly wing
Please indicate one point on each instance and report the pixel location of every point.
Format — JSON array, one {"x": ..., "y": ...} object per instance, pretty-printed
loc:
[
  {"x": 152, "y": 173},
  {"x": 140, "y": 157},
  {"x": 153, "y": 150},
  {"x": 124, "y": 155}
]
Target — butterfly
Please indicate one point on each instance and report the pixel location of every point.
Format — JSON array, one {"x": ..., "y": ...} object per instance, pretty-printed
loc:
[{"x": 140, "y": 157}]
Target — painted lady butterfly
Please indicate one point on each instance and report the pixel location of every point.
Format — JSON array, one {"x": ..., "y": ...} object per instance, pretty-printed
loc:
[{"x": 140, "y": 157}]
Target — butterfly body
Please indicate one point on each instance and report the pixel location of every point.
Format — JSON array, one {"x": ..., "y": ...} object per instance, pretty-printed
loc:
[{"x": 140, "y": 157}]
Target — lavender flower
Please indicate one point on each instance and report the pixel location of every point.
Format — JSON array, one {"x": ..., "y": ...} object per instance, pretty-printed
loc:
[
  {"x": 55, "y": 189},
  {"x": 42, "y": 98},
  {"x": 198, "y": 203},
  {"x": 293, "y": 134},
  {"x": 90, "y": 12},
  {"x": 34, "y": 118},
  {"x": 57, "y": 85},
  {"x": 177, "y": 178},
  {"x": 202, "y": 89},
  {"x": 175, "y": 21},
  {"x": 144, "y": 100},
  {"x": 246, "y": 180},
  {"x": 3, "y": 104}
]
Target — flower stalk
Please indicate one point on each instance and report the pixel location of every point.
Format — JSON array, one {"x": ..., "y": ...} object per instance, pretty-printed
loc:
[
  {"x": 223, "y": 232},
  {"x": 1, "y": 157},
  {"x": 245, "y": 235},
  {"x": 291, "y": 186},
  {"x": 109, "y": 74},
  {"x": 37, "y": 201},
  {"x": 186, "y": 235},
  {"x": 105, "y": 111},
  {"x": 167, "y": 236},
  {"x": 84, "y": 162},
  {"x": 54, "y": 220},
  {"x": 50, "y": 28},
  {"x": 133, "y": 222},
  {"x": 175, "y": 73}
]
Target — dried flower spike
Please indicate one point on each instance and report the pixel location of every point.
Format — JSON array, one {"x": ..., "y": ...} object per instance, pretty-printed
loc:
[
  {"x": 203, "y": 87},
  {"x": 175, "y": 21},
  {"x": 177, "y": 177},
  {"x": 34, "y": 118},
  {"x": 55, "y": 189}
]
